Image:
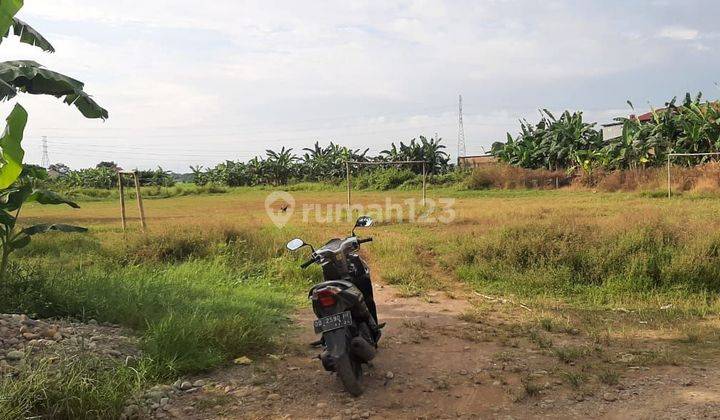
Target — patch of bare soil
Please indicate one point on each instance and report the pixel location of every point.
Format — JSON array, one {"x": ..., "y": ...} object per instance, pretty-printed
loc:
[{"x": 436, "y": 361}]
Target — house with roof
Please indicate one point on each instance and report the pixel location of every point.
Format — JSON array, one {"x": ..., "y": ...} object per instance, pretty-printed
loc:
[{"x": 614, "y": 129}]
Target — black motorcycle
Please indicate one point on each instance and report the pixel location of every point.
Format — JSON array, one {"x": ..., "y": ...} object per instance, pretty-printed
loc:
[{"x": 344, "y": 306}]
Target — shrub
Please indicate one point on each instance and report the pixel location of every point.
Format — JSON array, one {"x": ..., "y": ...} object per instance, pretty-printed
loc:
[{"x": 384, "y": 179}]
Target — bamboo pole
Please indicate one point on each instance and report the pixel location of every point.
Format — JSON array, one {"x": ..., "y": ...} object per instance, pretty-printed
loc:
[
  {"x": 347, "y": 171},
  {"x": 122, "y": 200},
  {"x": 668, "y": 174},
  {"x": 139, "y": 202},
  {"x": 424, "y": 196}
]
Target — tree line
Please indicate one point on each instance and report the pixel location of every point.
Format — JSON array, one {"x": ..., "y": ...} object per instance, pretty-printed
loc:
[
  {"x": 570, "y": 143},
  {"x": 104, "y": 176},
  {"x": 277, "y": 167},
  {"x": 320, "y": 163}
]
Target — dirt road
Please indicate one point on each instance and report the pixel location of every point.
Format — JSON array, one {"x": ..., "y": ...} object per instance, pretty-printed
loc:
[{"x": 436, "y": 362}]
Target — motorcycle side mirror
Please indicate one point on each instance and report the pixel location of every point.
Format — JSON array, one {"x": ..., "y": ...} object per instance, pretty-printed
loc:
[
  {"x": 362, "y": 221},
  {"x": 295, "y": 244}
]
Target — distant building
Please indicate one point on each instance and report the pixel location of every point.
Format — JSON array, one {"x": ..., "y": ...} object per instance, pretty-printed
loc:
[
  {"x": 475, "y": 161},
  {"x": 612, "y": 130},
  {"x": 52, "y": 173}
]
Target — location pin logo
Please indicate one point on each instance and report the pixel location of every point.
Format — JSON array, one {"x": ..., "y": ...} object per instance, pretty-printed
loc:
[{"x": 280, "y": 206}]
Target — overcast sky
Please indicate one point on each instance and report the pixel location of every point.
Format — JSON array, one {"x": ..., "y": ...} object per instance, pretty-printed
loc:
[{"x": 190, "y": 82}]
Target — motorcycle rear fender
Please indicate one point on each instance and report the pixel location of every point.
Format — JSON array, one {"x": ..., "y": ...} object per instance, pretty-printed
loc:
[
  {"x": 336, "y": 346},
  {"x": 350, "y": 298}
]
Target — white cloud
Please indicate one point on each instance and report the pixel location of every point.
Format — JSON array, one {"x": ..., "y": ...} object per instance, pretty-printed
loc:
[
  {"x": 183, "y": 77},
  {"x": 679, "y": 33}
]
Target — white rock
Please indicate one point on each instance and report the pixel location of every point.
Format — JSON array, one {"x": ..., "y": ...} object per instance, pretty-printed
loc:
[{"x": 609, "y": 397}]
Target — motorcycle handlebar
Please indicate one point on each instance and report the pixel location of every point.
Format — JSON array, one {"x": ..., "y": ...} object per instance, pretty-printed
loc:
[{"x": 312, "y": 259}]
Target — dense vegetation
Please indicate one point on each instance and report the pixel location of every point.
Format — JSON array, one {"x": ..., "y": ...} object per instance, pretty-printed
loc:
[
  {"x": 104, "y": 176},
  {"x": 326, "y": 164},
  {"x": 570, "y": 143}
]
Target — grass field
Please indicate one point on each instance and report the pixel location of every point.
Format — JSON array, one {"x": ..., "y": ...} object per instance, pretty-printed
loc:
[{"x": 211, "y": 280}]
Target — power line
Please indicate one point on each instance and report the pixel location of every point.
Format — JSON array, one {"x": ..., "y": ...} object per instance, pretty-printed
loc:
[
  {"x": 447, "y": 108},
  {"x": 309, "y": 138},
  {"x": 405, "y": 114}
]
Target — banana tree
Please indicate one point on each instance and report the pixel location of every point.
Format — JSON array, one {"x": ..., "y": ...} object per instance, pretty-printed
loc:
[
  {"x": 18, "y": 183},
  {"x": 18, "y": 187},
  {"x": 433, "y": 153},
  {"x": 280, "y": 165}
]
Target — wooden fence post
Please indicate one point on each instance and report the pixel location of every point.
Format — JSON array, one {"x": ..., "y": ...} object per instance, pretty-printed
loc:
[
  {"x": 347, "y": 171},
  {"x": 424, "y": 173},
  {"x": 139, "y": 202},
  {"x": 668, "y": 174},
  {"x": 122, "y": 200}
]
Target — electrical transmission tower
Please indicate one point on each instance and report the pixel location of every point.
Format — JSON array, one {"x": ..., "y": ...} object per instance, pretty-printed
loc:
[
  {"x": 45, "y": 163},
  {"x": 461, "y": 132}
]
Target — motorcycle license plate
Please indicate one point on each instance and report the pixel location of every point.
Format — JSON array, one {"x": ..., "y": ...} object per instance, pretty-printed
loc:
[{"x": 332, "y": 322}]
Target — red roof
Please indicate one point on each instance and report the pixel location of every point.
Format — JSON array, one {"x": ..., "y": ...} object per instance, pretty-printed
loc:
[{"x": 648, "y": 116}]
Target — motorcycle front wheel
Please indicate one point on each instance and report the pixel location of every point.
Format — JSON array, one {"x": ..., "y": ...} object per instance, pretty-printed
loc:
[{"x": 350, "y": 373}]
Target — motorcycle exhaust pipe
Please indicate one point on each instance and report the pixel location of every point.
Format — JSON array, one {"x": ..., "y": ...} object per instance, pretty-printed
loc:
[{"x": 362, "y": 349}]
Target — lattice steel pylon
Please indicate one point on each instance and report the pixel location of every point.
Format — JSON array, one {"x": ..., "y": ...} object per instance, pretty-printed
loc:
[
  {"x": 45, "y": 163},
  {"x": 461, "y": 131}
]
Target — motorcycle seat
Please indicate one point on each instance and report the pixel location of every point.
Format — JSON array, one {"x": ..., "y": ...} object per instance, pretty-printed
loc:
[{"x": 337, "y": 283}]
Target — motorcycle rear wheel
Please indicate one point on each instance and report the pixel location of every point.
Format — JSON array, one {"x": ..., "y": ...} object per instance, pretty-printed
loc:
[{"x": 350, "y": 373}]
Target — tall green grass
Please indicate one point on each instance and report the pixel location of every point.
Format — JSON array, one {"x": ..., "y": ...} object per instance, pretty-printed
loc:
[
  {"x": 197, "y": 298},
  {"x": 77, "y": 388},
  {"x": 590, "y": 263}
]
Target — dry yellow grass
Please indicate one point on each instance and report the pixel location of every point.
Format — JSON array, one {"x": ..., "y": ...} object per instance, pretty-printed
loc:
[{"x": 424, "y": 256}]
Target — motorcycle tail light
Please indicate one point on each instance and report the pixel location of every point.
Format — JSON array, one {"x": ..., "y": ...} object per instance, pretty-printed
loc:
[{"x": 326, "y": 296}]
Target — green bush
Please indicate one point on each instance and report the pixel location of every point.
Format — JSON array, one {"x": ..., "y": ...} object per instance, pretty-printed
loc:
[
  {"x": 177, "y": 190},
  {"x": 383, "y": 179}
]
